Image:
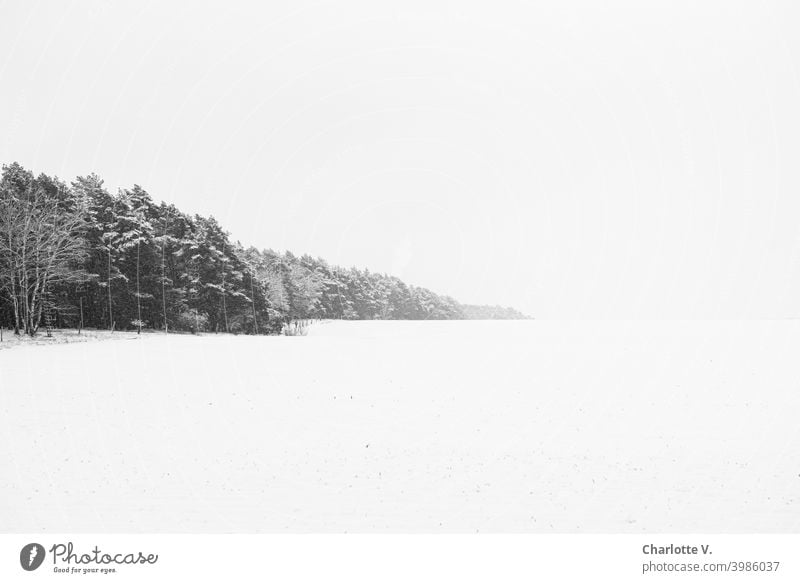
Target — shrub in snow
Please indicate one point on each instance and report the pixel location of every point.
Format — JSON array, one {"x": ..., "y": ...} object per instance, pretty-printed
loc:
[{"x": 296, "y": 328}]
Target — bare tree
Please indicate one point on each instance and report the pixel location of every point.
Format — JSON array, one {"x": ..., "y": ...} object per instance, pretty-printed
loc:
[{"x": 42, "y": 246}]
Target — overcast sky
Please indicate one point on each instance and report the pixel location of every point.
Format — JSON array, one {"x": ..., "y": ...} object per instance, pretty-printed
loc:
[{"x": 583, "y": 160}]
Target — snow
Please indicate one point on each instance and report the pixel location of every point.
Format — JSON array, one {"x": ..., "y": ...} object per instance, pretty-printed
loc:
[{"x": 529, "y": 426}]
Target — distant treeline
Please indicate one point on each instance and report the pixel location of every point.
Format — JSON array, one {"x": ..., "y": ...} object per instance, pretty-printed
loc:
[
  {"x": 75, "y": 255},
  {"x": 473, "y": 312}
]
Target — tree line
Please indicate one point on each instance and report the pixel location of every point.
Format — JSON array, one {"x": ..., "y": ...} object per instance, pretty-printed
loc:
[{"x": 75, "y": 255}]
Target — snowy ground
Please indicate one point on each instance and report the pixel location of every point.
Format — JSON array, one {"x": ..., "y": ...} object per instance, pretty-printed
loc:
[
  {"x": 11, "y": 340},
  {"x": 409, "y": 427}
]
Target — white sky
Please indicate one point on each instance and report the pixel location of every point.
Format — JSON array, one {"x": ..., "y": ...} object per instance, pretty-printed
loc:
[{"x": 584, "y": 160}]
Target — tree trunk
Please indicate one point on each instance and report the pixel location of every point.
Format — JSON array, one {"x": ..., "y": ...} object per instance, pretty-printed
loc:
[
  {"x": 253, "y": 299},
  {"x": 163, "y": 281},
  {"x": 138, "y": 292},
  {"x": 224, "y": 303},
  {"x": 110, "y": 312}
]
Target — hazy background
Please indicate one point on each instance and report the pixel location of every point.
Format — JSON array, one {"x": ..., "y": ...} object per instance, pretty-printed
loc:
[{"x": 571, "y": 159}]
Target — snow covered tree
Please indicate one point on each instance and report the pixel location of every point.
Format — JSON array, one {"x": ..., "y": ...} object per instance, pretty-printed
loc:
[{"x": 121, "y": 262}]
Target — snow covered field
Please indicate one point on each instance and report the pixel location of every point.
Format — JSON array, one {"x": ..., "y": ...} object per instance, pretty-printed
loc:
[{"x": 529, "y": 426}]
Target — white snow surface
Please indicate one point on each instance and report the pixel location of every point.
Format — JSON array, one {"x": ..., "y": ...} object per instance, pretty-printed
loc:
[{"x": 529, "y": 426}]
